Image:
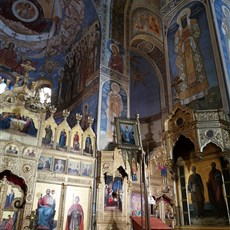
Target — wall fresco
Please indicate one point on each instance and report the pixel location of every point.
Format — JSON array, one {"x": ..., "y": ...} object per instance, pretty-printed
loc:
[
  {"x": 222, "y": 13},
  {"x": 192, "y": 66}
]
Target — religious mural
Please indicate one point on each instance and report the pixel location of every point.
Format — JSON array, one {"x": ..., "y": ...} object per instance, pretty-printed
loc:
[
  {"x": 144, "y": 21},
  {"x": 114, "y": 104},
  {"x": 46, "y": 35},
  {"x": 222, "y": 14},
  {"x": 205, "y": 190},
  {"x": 80, "y": 65},
  {"x": 192, "y": 66},
  {"x": 87, "y": 109},
  {"x": 115, "y": 53}
]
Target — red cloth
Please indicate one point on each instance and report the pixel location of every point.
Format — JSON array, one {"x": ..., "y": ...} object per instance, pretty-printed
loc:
[
  {"x": 74, "y": 211},
  {"x": 9, "y": 224},
  {"x": 155, "y": 223}
]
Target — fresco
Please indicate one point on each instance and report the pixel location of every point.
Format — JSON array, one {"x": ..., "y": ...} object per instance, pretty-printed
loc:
[
  {"x": 114, "y": 104},
  {"x": 144, "y": 88},
  {"x": 144, "y": 21},
  {"x": 222, "y": 13},
  {"x": 115, "y": 55},
  {"x": 117, "y": 20},
  {"x": 51, "y": 35},
  {"x": 86, "y": 108},
  {"x": 192, "y": 67}
]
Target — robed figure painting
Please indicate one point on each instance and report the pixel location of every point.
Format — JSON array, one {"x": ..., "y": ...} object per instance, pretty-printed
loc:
[
  {"x": 75, "y": 218},
  {"x": 46, "y": 210}
]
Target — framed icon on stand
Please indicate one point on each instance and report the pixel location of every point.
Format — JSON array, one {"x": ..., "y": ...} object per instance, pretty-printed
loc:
[{"x": 127, "y": 133}]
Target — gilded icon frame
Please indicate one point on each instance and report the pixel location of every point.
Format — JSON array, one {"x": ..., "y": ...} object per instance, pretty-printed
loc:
[{"x": 127, "y": 133}]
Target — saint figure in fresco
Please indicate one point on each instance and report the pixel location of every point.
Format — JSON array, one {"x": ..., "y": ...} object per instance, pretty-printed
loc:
[
  {"x": 196, "y": 188},
  {"x": 62, "y": 138},
  {"x": 114, "y": 108},
  {"x": 8, "y": 57},
  {"x": 116, "y": 60},
  {"x": 48, "y": 135},
  {"x": 26, "y": 11},
  {"x": 191, "y": 71},
  {"x": 84, "y": 121},
  {"x": 226, "y": 28},
  {"x": 153, "y": 25},
  {"x": 140, "y": 24},
  {"x": 46, "y": 211},
  {"x": 75, "y": 216},
  {"x": 215, "y": 191}
]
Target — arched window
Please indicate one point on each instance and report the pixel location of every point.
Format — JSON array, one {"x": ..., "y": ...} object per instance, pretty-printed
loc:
[
  {"x": 2, "y": 86},
  {"x": 45, "y": 94}
]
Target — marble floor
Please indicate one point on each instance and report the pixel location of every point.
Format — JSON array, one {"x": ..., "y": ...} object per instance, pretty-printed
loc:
[{"x": 207, "y": 223}]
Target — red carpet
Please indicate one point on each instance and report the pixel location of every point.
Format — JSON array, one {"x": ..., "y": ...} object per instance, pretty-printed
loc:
[{"x": 155, "y": 223}]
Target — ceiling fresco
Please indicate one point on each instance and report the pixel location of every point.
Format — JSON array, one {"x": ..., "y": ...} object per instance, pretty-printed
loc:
[{"x": 42, "y": 32}]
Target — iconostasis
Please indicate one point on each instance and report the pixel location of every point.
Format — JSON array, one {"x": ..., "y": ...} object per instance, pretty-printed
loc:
[{"x": 47, "y": 165}]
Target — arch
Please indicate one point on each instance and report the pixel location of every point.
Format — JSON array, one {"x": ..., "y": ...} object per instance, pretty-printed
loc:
[
  {"x": 183, "y": 148},
  {"x": 14, "y": 179},
  {"x": 7, "y": 175},
  {"x": 211, "y": 148}
]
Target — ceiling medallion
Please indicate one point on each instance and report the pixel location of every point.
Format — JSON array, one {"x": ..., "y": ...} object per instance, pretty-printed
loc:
[
  {"x": 25, "y": 11},
  {"x": 145, "y": 46}
]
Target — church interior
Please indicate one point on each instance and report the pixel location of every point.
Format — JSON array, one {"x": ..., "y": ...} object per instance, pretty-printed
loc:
[{"x": 114, "y": 115}]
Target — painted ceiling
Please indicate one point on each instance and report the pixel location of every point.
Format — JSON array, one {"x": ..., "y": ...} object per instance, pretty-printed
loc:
[
  {"x": 47, "y": 33},
  {"x": 42, "y": 32}
]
